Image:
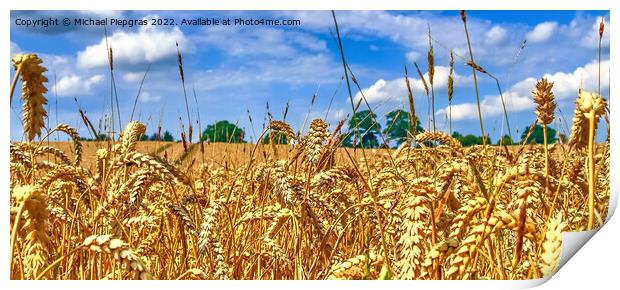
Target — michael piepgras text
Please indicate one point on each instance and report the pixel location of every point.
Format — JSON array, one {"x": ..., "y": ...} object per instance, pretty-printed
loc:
[{"x": 128, "y": 22}]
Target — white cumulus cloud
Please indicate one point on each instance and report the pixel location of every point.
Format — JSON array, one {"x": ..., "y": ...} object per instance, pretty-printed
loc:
[
  {"x": 542, "y": 32},
  {"x": 412, "y": 56},
  {"x": 73, "y": 85},
  {"x": 518, "y": 98},
  {"x": 491, "y": 106},
  {"x": 495, "y": 35},
  {"x": 383, "y": 90},
  {"x": 147, "y": 45},
  {"x": 566, "y": 85},
  {"x": 396, "y": 89}
]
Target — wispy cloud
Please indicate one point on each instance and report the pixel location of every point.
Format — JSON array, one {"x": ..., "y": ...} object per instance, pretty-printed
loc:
[
  {"x": 542, "y": 32},
  {"x": 147, "y": 97},
  {"x": 312, "y": 69},
  {"x": 15, "y": 49},
  {"x": 259, "y": 41}
]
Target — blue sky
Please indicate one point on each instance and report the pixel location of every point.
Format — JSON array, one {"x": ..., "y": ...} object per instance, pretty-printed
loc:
[{"x": 238, "y": 69}]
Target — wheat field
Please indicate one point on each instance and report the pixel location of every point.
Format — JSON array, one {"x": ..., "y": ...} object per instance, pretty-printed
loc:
[{"x": 430, "y": 209}]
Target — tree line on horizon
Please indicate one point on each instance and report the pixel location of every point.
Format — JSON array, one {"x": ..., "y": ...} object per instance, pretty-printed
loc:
[
  {"x": 398, "y": 129},
  {"x": 363, "y": 131}
]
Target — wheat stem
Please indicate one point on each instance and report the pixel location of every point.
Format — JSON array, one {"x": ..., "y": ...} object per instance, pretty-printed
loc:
[
  {"x": 50, "y": 266},
  {"x": 18, "y": 71},
  {"x": 14, "y": 232},
  {"x": 471, "y": 57},
  {"x": 591, "y": 173},
  {"x": 546, "y": 149}
]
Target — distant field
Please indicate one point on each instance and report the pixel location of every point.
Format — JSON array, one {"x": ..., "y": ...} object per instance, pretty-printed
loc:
[
  {"x": 220, "y": 153},
  {"x": 224, "y": 154}
]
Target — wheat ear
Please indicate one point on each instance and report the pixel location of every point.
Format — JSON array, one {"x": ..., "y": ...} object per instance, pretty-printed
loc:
[
  {"x": 588, "y": 110},
  {"x": 552, "y": 246},
  {"x": 33, "y": 207},
  {"x": 545, "y": 107},
  {"x": 33, "y": 88},
  {"x": 121, "y": 252}
]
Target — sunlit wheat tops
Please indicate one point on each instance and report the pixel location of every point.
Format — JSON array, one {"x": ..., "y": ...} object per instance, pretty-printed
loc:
[
  {"x": 31, "y": 71},
  {"x": 282, "y": 127},
  {"x": 545, "y": 103},
  {"x": 588, "y": 105}
]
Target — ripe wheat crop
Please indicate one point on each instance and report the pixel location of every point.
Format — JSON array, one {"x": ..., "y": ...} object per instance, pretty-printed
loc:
[{"x": 430, "y": 209}]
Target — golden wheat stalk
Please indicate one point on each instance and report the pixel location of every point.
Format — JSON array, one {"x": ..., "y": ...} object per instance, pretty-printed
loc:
[
  {"x": 431, "y": 73},
  {"x": 589, "y": 108},
  {"x": 440, "y": 137},
  {"x": 285, "y": 128},
  {"x": 131, "y": 135},
  {"x": 545, "y": 109},
  {"x": 33, "y": 207},
  {"x": 545, "y": 101},
  {"x": 31, "y": 71},
  {"x": 412, "y": 116},
  {"x": 121, "y": 252},
  {"x": 552, "y": 246},
  {"x": 471, "y": 62},
  {"x": 355, "y": 268},
  {"x": 450, "y": 89},
  {"x": 77, "y": 144}
]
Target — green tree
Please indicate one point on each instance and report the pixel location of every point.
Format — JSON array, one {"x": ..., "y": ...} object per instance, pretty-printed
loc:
[
  {"x": 223, "y": 131},
  {"x": 278, "y": 138},
  {"x": 538, "y": 135},
  {"x": 398, "y": 126},
  {"x": 469, "y": 139},
  {"x": 505, "y": 140},
  {"x": 102, "y": 137},
  {"x": 153, "y": 137},
  {"x": 168, "y": 137},
  {"x": 456, "y": 135},
  {"x": 363, "y": 126}
]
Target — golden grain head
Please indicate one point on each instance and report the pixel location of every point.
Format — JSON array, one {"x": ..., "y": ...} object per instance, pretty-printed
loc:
[
  {"x": 591, "y": 104},
  {"x": 33, "y": 87},
  {"x": 588, "y": 105},
  {"x": 545, "y": 101}
]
